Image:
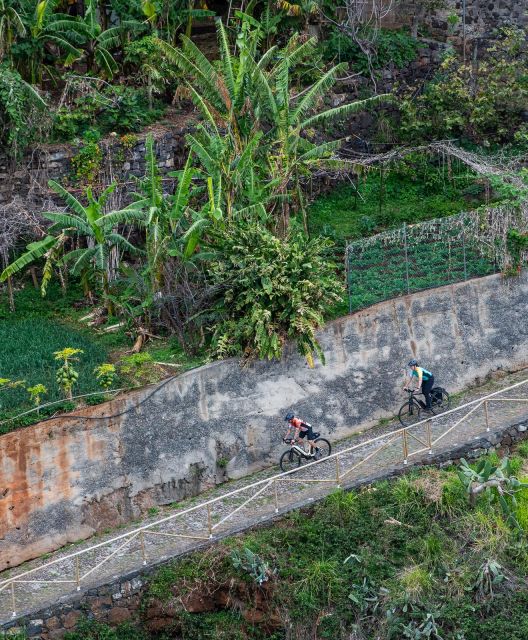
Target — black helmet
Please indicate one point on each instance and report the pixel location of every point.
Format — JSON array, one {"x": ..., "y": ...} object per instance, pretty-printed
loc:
[
  {"x": 413, "y": 363},
  {"x": 289, "y": 416}
]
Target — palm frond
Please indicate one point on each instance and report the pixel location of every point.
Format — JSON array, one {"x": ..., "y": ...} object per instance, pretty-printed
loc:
[
  {"x": 68, "y": 221},
  {"x": 319, "y": 151},
  {"x": 317, "y": 90},
  {"x": 225, "y": 57},
  {"x": 181, "y": 199}
]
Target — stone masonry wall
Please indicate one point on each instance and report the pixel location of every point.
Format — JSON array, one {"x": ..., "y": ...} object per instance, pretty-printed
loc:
[
  {"x": 482, "y": 17},
  {"x": 121, "y": 600},
  {"x": 123, "y": 160},
  {"x": 64, "y": 479}
]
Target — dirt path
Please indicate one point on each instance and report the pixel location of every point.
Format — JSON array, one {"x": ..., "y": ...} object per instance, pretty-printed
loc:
[{"x": 223, "y": 510}]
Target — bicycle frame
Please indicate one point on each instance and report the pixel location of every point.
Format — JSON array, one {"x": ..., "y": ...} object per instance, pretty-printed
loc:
[
  {"x": 295, "y": 447},
  {"x": 413, "y": 402}
]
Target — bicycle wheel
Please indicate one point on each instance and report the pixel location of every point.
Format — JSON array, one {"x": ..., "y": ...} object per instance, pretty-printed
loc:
[
  {"x": 325, "y": 448},
  {"x": 443, "y": 401},
  {"x": 290, "y": 460},
  {"x": 409, "y": 414}
]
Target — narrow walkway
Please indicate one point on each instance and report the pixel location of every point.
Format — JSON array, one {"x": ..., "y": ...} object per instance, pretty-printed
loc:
[{"x": 223, "y": 510}]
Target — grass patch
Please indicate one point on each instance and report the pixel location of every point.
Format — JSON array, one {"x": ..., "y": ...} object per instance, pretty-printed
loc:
[
  {"x": 373, "y": 562},
  {"x": 27, "y": 351},
  {"x": 412, "y": 192},
  {"x": 41, "y": 326}
]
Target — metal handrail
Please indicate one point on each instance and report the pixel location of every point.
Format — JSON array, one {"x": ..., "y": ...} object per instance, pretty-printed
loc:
[{"x": 260, "y": 486}]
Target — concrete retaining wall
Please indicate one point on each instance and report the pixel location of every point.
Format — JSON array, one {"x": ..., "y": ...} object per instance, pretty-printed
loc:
[{"x": 64, "y": 479}]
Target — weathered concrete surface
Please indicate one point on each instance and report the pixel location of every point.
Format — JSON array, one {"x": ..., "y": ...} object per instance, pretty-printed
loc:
[{"x": 64, "y": 479}]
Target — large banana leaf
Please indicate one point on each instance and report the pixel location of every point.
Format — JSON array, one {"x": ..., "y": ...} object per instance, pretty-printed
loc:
[{"x": 35, "y": 250}]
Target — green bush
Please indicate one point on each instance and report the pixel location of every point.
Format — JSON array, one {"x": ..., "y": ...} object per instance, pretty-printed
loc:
[
  {"x": 23, "y": 112},
  {"x": 118, "y": 108},
  {"x": 93, "y": 630},
  {"x": 392, "y": 48},
  {"x": 483, "y": 104},
  {"x": 273, "y": 290}
]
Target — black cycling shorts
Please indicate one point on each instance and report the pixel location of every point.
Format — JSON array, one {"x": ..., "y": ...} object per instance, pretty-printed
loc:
[{"x": 309, "y": 432}]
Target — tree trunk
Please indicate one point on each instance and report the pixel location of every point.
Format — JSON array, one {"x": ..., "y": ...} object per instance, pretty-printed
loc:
[
  {"x": 103, "y": 16},
  {"x": 33, "y": 272},
  {"x": 10, "y": 294}
]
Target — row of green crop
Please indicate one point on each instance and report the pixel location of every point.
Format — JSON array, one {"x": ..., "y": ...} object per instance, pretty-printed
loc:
[{"x": 379, "y": 273}]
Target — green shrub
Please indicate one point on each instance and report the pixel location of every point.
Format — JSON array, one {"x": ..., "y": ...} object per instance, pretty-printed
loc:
[
  {"x": 392, "y": 48},
  {"x": 117, "y": 108},
  {"x": 139, "y": 369},
  {"x": 273, "y": 290},
  {"x": 93, "y": 630},
  {"x": 484, "y": 105},
  {"x": 522, "y": 450},
  {"x": 23, "y": 113}
]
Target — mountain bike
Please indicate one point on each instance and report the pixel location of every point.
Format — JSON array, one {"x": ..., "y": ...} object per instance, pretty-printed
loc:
[
  {"x": 292, "y": 458},
  {"x": 412, "y": 411}
]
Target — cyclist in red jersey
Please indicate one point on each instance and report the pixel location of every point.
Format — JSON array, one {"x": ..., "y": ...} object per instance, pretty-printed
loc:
[{"x": 301, "y": 429}]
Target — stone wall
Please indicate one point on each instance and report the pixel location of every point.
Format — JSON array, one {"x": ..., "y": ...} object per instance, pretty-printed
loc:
[
  {"x": 482, "y": 17},
  {"x": 64, "y": 479},
  {"x": 121, "y": 600},
  {"x": 123, "y": 160}
]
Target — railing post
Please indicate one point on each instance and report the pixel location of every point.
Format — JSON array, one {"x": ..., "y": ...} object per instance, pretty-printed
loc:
[
  {"x": 487, "y": 414},
  {"x": 404, "y": 446},
  {"x": 209, "y": 521},
  {"x": 143, "y": 550},
  {"x": 406, "y": 256},
  {"x": 276, "y": 496},
  {"x": 464, "y": 253},
  {"x": 338, "y": 479},
  {"x": 13, "y": 602},
  {"x": 348, "y": 272},
  {"x": 429, "y": 444},
  {"x": 77, "y": 573}
]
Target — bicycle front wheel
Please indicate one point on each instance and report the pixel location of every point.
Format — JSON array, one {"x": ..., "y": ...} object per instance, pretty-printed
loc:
[
  {"x": 290, "y": 460},
  {"x": 324, "y": 448},
  {"x": 409, "y": 414}
]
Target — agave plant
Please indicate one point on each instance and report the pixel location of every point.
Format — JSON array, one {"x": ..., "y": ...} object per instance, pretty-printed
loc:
[{"x": 497, "y": 480}]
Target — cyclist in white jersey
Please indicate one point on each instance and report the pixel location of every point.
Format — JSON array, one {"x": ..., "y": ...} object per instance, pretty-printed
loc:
[{"x": 425, "y": 381}]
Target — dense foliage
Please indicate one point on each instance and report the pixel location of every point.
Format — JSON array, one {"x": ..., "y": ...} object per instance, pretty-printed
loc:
[
  {"x": 244, "y": 171},
  {"x": 273, "y": 290},
  {"x": 483, "y": 101}
]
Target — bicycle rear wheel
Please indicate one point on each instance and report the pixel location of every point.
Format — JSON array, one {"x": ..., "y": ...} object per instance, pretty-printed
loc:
[
  {"x": 324, "y": 448},
  {"x": 442, "y": 401},
  {"x": 290, "y": 460},
  {"x": 409, "y": 414}
]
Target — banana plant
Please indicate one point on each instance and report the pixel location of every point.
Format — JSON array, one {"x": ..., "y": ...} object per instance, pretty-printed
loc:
[
  {"x": 172, "y": 226},
  {"x": 49, "y": 28},
  {"x": 98, "y": 42},
  {"x": 81, "y": 225},
  {"x": 11, "y": 25},
  {"x": 249, "y": 111}
]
